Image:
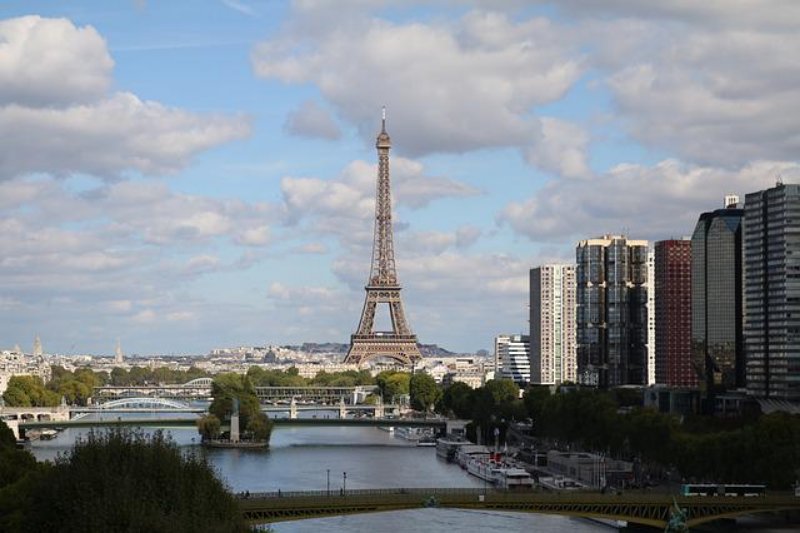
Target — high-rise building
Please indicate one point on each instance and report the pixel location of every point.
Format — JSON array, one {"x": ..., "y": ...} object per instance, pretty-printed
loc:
[
  {"x": 513, "y": 351},
  {"x": 650, "y": 373},
  {"x": 673, "y": 313},
  {"x": 717, "y": 338},
  {"x": 772, "y": 292},
  {"x": 499, "y": 341},
  {"x": 611, "y": 316},
  {"x": 552, "y": 323}
]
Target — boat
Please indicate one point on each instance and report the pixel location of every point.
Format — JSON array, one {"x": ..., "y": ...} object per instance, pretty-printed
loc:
[
  {"x": 446, "y": 447},
  {"x": 427, "y": 441},
  {"x": 560, "y": 483},
  {"x": 468, "y": 452},
  {"x": 483, "y": 469},
  {"x": 513, "y": 479}
]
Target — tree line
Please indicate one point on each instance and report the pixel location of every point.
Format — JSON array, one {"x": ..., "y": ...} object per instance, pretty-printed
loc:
[
  {"x": 753, "y": 449},
  {"x": 117, "y": 480}
]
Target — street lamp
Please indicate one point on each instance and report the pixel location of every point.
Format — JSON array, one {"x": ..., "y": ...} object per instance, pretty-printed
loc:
[
  {"x": 329, "y": 481},
  {"x": 344, "y": 483}
]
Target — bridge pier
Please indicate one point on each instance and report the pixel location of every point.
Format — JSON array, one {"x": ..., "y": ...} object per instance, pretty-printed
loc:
[
  {"x": 379, "y": 408},
  {"x": 13, "y": 425},
  {"x": 342, "y": 410},
  {"x": 293, "y": 409}
]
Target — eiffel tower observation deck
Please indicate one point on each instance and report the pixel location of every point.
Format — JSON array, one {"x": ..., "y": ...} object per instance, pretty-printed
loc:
[{"x": 383, "y": 287}]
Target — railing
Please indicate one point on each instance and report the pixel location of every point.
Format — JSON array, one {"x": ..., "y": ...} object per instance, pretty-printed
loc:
[{"x": 338, "y": 492}]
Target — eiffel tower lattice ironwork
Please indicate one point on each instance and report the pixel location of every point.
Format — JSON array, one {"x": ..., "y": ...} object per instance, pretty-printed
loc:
[{"x": 383, "y": 287}]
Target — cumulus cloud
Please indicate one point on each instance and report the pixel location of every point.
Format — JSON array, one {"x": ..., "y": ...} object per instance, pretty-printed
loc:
[
  {"x": 701, "y": 81},
  {"x": 50, "y": 62},
  {"x": 450, "y": 87},
  {"x": 57, "y": 117},
  {"x": 311, "y": 120},
  {"x": 562, "y": 149},
  {"x": 652, "y": 202},
  {"x": 344, "y": 205}
]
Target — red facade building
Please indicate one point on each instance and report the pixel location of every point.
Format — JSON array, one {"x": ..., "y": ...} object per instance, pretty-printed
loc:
[{"x": 673, "y": 286}]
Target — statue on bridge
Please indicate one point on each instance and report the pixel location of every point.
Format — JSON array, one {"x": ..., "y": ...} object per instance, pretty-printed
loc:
[{"x": 677, "y": 519}]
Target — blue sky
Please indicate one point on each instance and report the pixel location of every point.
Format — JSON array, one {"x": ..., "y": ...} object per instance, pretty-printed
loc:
[{"x": 189, "y": 175}]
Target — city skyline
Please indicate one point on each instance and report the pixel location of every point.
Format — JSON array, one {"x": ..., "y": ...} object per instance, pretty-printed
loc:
[{"x": 184, "y": 177}]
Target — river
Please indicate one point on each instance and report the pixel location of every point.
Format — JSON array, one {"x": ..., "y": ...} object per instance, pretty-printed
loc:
[{"x": 306, "y": 458}]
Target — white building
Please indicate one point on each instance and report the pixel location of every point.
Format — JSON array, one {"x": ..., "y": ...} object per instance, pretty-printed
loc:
[
  {"x": 514, "y": 352},
  {"x": 651, "y": 317},
  {"x": 552, "y": 323},
  {"x": 16, "y": 363}
]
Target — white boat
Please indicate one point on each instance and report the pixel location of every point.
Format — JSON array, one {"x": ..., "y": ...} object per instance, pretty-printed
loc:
[
  {"x": 513, "y": 479},
  {"x": 560, "y": 483},
  {"x": 468, "y": 452},
  {"x": 483, "y": 469}
]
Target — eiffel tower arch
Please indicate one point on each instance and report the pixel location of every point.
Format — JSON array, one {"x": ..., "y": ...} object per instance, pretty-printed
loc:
[{"x": 383, "y": 286}]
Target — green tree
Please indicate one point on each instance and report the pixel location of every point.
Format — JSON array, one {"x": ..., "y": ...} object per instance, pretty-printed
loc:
[
  {"x": 423, "y": 391},
  {"x": 391, "y": 384},
  {"x": 457, "y": 400},
  {"x": 209, "y": 427},
  {"x": 29, "y": 391},
  {"x": 227, "y": 387},
  {"x": 123, "y": 481}
]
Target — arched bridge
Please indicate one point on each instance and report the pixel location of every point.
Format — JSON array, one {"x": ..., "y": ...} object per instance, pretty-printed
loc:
[
  {"x": 641, "y": 508},
  {"x": 143, "y": 404}
]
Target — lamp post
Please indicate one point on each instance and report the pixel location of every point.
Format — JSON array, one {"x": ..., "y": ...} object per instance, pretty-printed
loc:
[
  {"x": 329, "y": 482},
  {"x": 344, "y": 483}
]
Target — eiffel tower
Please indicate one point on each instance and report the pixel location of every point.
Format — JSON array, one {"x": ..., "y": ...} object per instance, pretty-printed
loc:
[{"x": 383, "y": 287}]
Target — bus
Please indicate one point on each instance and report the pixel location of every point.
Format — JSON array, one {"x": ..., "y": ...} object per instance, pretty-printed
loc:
[{"x": 723, "y": 489}]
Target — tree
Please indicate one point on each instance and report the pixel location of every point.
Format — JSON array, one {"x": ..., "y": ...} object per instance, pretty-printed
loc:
[
  {"x": 456, "y": 399},
  {"x": 423, "y": 391},
  {"x": 227, "y": 387},
  {"x": 209, "y": 427},
  {"x": 124, "y": 481},
  {"x": 29, "y": 391},
  {"x": 391, "y": 384}
]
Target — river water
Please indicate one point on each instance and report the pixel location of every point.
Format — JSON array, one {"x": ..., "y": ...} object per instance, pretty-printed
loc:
[{"x": 307, "y": 458}]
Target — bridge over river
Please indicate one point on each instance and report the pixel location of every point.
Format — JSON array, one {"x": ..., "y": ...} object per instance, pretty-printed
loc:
[
  {"x": 649, "y": 509},
  {"x": 178, "y": 422}
]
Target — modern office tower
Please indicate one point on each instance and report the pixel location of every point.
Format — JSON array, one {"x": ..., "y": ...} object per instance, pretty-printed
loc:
[
  {"x": 611, "y": 316},
  {"x": 673, "y": 313},
  {"x": 717, "y": 341},
  {"x": 651, "y": 317},
  {"x": 772, "y": 292},
  {"x": 513, "y": 353},
  {"x": 552, "y": 323}
]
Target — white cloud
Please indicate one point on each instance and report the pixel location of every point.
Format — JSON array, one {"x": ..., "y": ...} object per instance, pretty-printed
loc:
[
  {"x": 644, "y": 202},
  {"x": 57, "y": 117},
  {"x": 562, "y": 149},
  {"x": 45, "y": 62},
  {"x": 449, "y": 87},
  {"x": 311, "y": 120},
  {"x": 107, "y": 138},
  {"x": 344, "y": 205}
]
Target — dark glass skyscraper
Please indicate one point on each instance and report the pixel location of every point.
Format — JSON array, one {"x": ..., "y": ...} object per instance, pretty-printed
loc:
[
  {"x": 772, "y": 292},
  {"x": 611, "y": 313},
  {"x": 717, "y": 340}
]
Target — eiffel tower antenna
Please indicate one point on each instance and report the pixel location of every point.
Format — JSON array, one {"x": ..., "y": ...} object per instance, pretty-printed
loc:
[{"x": 383, "y": 286}]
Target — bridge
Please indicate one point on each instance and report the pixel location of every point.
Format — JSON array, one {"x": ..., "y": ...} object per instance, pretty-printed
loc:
[
  {"x": 200, "y": 389},
  {"x": 182, "y": 422},
  {"x": 647, "y": 509}
]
